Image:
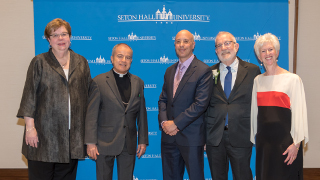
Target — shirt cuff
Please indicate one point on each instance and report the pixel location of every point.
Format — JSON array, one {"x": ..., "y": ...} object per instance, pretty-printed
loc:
[{"x": 163, "y": 122}]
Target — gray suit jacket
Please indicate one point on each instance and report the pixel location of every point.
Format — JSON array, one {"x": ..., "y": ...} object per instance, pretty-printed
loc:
[
  {"x": 108, "y": 123},
  {"x": 238, "y": 107}
]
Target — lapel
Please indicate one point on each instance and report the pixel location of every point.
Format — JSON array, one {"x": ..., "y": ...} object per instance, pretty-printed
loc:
[
  {"x": 191, "y": 69},
  {"x": 241, "y": 74},
  {"x": 134, "y": 88},
  {"x": 171, "y": 80},
  {"x": 113, "y": 86},
  {"x": 54, "y": 64},
  {"x": 218, "y": 85}
]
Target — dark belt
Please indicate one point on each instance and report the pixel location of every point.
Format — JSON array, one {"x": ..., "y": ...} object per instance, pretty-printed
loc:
[{"x": 226, "y": 128}]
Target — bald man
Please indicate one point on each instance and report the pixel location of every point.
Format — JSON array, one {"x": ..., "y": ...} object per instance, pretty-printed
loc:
[{"x": 184, "y": 98}]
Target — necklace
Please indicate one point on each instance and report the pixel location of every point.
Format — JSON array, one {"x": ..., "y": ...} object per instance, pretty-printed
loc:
[
  {"x": 64, "y": 64},
  {"x": 68, "y": 58}
]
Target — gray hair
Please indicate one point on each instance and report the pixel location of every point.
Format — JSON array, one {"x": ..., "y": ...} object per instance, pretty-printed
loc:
[
  {"x": 117, "y": 45},
  {"x": 225, "y": 32},
  {"x": 266, "y": 38}
]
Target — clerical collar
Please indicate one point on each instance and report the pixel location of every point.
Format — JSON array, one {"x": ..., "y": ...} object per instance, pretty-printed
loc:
[{"x": 120, "y": 75}]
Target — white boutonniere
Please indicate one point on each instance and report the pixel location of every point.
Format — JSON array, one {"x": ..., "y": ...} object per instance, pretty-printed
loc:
[{"x": 215, "y": 74}]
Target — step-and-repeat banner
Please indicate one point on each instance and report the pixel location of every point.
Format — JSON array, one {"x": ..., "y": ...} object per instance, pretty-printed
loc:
[{"x": 149, "y": 27}]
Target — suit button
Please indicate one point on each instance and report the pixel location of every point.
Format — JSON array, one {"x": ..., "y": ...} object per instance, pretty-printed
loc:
[
  {"x": 125, "y": 113},
  {"x": 172, "y": 105},
  {"x": 124, "y": 126}
]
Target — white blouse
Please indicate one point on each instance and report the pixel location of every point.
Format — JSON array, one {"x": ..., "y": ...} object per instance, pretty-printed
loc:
[{"x": 291, "y": 85}]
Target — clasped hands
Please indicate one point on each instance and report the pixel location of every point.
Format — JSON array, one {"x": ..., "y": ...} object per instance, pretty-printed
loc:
[{"x": 170, "y": 128}]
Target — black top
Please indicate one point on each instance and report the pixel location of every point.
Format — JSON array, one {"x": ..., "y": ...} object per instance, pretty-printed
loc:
[{"x": 124, "y": 87}]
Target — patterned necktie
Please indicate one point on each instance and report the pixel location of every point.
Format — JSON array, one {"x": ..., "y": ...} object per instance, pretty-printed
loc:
[
  {"x": 227, "y": 87},
  {"x": 177, "y": 79}
]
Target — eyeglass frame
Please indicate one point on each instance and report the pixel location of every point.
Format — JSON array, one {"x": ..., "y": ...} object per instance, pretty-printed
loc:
[
  {"x": 226, "y": 44},
  {"x": 56, "y": 36}
]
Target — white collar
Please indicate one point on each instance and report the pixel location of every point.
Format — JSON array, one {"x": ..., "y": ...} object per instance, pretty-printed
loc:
[
  {"x": 120, "y": 75},
  {"x": 234, "y": 66}
]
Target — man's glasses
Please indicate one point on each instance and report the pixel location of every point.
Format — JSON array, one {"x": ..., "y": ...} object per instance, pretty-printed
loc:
[{"x": 226, "y": 44}]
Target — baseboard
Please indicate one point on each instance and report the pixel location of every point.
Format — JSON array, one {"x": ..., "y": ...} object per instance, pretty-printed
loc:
[
  {"x": 311, "y": 173},
  {"x": 14, "y": 174}
]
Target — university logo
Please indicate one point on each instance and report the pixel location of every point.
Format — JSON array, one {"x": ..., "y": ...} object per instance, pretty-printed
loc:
[
  {"x": 154, "y": 133},
  {"x": 151, "y": 156},
  {"x": 211, "y": 61},
  {"x": 215, "y": 61},
  {"x": 161, "y": 60},
  {"x": 83, "y": 38},
  {"x": 152, "y": 108},
  {"x": 133, "y": 37},
  {"x": 150, "y": 86},
  {"x": 99, "y": 61},
  {"x": 88, "y": 38},
  {"x": 163, "y": 17},
  {"x": 252, "y": 38},
  {"x": 198, "y": 37}
]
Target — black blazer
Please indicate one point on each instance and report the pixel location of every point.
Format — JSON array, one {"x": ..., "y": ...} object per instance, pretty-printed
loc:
[
  {"x": 238, "y": 107},
  {"x": 187, "y": 108}
]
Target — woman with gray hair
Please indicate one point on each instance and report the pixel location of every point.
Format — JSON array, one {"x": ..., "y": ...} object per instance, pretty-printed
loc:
[{"x": 278, "y": 116}]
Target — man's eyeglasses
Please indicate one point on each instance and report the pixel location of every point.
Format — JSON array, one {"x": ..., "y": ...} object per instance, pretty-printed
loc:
[{"x": 226, "y": 44}]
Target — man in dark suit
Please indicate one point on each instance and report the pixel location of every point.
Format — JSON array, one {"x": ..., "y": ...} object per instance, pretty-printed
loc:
[
  {"x": 116, "y": 107},
  {"x": 184, "y": 98},
  {"x": 228, "y": 115}
]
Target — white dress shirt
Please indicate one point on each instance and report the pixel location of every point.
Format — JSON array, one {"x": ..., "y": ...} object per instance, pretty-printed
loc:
[{"x": 224, "y": 71}]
